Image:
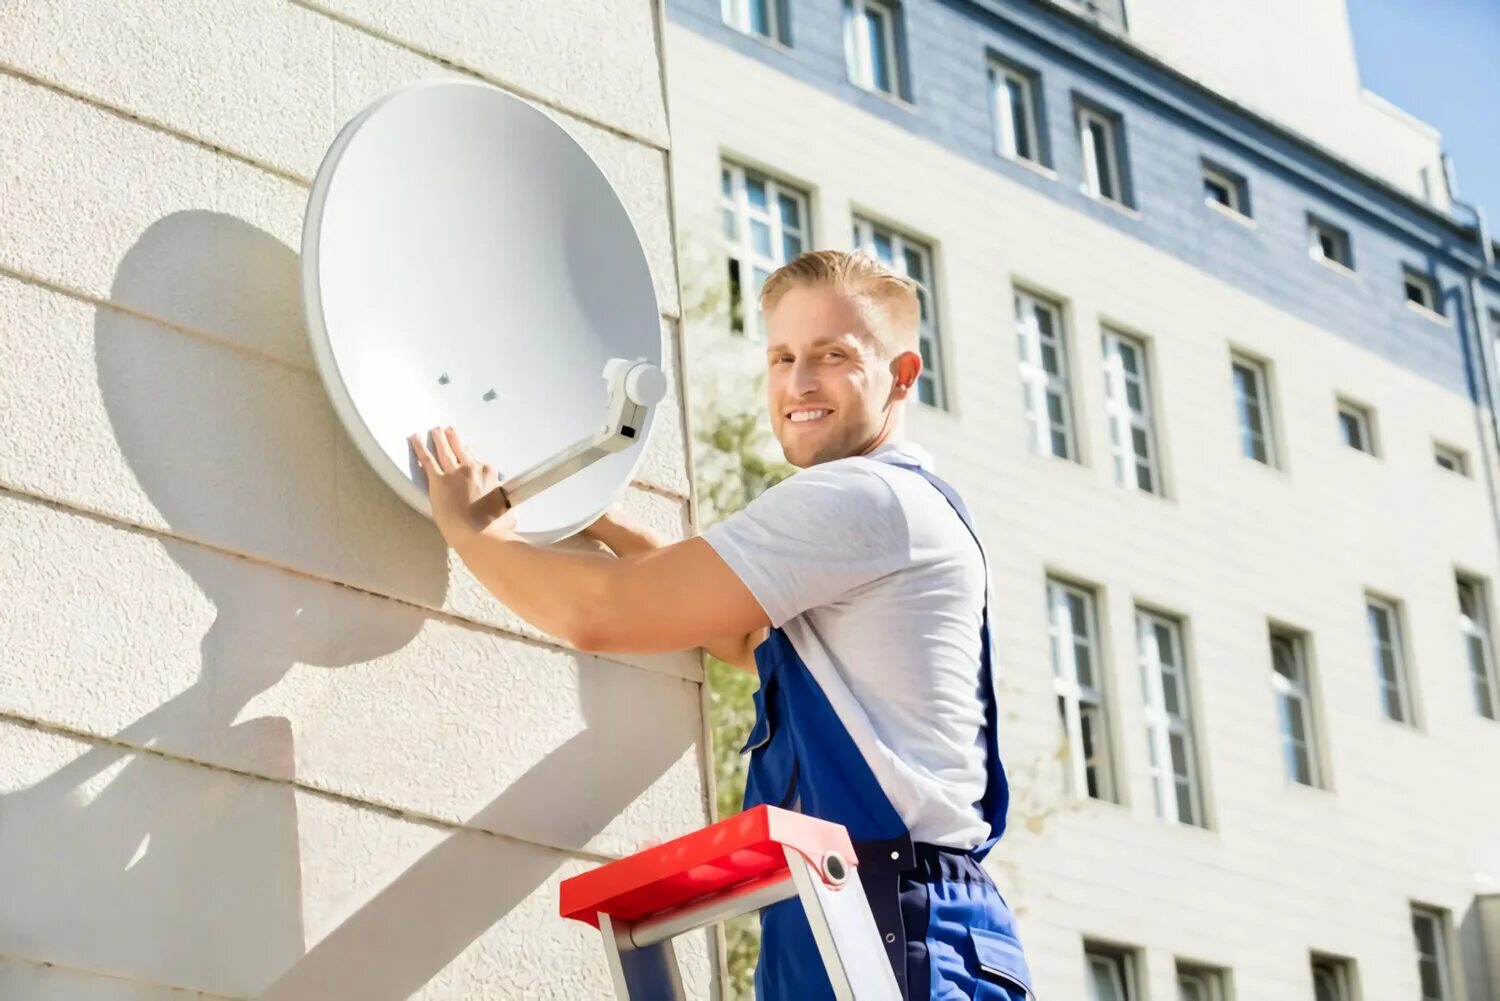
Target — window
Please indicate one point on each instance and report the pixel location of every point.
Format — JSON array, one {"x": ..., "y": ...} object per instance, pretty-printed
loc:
[
  {"x": 1201, "y": 983},
  {"x": 766, "y": 18},
  {"x": 1169, "y": 726},
  {"x": 1450, "y": 458},
  {"x": 1017, "y": 112},
  {"x": 1225, "y": 189},
  {"x": 1077, "y": 678},
  {"x": 1390, "y": 660},
  {"x": 1333, "y": 979},
  {"x": 765, "y": 226},
  {"x": 1474, "y": 627},
  {"x": 1329, "y": 243},
  {"x": 1431, "y": 929},
  {"x": 914, "y": 260},
  {"x": 1253, "y": 406},
  {"x": 1103, "y": 173},
  {"x": 871, "y": 49},
  {"x": 1355, "y": 427},
  {"x": 1044, "y": 376},
  {"x": 1421, "y": 291},
  {"x": 1290, "y": 681},
  {"x": 1111, "y": 972},
  {"x": 1132, "y": 432}
]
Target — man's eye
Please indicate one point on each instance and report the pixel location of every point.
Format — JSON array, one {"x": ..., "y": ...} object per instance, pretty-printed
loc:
[{"x": 834, "y": 354}]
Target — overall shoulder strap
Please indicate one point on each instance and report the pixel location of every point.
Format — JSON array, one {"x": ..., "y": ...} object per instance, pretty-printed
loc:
[{"x": 997, "y": 790}]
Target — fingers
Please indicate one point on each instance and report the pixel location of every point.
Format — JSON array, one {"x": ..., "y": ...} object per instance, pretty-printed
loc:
[
  {"x": 459, "y": 448},
  {"x": 424, "y": 458},
  {"x": 441, "y": 448}
]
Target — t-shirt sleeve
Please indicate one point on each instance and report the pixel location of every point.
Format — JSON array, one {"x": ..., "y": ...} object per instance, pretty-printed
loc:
[{"x": 814, "y": 537}]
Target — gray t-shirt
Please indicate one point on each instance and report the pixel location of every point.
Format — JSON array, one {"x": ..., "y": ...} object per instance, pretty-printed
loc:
[{"x": 880, "y": 588}]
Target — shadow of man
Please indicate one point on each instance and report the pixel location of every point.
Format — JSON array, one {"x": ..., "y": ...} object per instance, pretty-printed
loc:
[{"x": 149, "y": 868}]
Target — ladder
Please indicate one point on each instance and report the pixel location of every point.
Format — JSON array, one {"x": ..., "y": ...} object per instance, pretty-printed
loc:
[{"x": 737, "y": 866}]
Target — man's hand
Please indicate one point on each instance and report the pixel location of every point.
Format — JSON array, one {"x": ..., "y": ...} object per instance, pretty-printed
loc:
[{"x": 460, "y": 489}]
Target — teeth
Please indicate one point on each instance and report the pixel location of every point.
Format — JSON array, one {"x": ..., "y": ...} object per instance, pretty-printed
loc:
[{"x": 802, "y": 416}]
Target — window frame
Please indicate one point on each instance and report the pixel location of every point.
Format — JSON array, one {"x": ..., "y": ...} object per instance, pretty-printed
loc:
[
  {"x": 1235, "y": 184},
  {"x": 1213, "y": 979},
  {"x": 1002, "y": 73},
  {"x": 1340, "y": 969},
  {"x": 1454, "y": 454},
  {"x": 736, "y": 14},
  {"x": 858, "y": 56},
  {"x": 1343, "y": 258},
  {"x": 1039, "y": 385},
  {"x": 1074, "y": 696},
  {"x": 1114, "y": 158},
  {"x": 1123, "y": 967},
  {"x": 1297, "y": 694},
  {"x": 1400, "y": 668},
  {"x": 1484, "y": 678},
  {"x": 1261, "y": 371},
  {"x": 929, "y": 329},
  {"x": 741, "y": 252},
  {"x": 1162, "y": 725},
  {"x": 1364, "y": 418},
  {"x": 1125, "y": 420},
  {"x": 1430, "y": 305},
  {"x": 1442, "y": 959}
]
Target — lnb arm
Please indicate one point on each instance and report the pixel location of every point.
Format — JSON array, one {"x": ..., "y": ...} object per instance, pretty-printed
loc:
[{"x": 634, "y": 388}]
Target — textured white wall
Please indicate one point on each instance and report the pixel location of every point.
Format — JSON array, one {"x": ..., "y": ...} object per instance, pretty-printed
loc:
[
  {"x": 1414, "y": 814},
  {"x": 1294, "y": 62},
  {"x": 259, "y": 734}
]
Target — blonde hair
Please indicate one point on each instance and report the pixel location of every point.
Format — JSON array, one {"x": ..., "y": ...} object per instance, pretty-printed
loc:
[{"x": 855, "y": 273}]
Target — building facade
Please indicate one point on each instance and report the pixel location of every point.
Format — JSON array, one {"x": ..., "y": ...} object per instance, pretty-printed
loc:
[
  {"x": 261, "y": 735},
  {"x": 1207, "y": 354}
]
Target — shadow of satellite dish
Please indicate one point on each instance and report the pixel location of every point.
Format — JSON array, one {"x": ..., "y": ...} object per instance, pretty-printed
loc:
[{"x": 466, "y": 263}]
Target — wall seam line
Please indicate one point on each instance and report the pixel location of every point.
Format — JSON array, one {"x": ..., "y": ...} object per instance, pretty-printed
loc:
[
  {"x": 67, "y": 291},
  {"x": 345, "y": 799},
  {"x": 150, "y": 123},
  {"x": 444, "y": 615},
  {"x": 14, "y": 957},
  {"x": 467, "y": 70}
]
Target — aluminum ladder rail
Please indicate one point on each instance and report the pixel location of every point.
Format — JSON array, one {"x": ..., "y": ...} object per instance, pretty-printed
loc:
[{"x": 737, "y": 866}]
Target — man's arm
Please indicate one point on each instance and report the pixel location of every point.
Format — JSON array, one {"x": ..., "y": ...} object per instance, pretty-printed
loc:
[
  {"x": 674, "y": 598},
  {"x": 626, "y": 540}
]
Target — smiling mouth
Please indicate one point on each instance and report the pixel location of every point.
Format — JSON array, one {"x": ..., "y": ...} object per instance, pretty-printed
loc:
[{"x": 807, "y": 416}]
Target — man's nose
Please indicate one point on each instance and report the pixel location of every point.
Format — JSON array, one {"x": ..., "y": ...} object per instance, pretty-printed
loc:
[{"x": 804, "y": 379}]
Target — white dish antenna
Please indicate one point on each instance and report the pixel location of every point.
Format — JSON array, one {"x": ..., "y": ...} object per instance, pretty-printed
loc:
[{"x": 466, "y": 263}]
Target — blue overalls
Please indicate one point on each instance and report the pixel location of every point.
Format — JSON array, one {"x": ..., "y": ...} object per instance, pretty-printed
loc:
[{"x": 947, "y": 931}]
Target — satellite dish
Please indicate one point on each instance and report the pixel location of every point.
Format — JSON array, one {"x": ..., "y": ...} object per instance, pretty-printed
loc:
[{"x": 466, "y": 263}]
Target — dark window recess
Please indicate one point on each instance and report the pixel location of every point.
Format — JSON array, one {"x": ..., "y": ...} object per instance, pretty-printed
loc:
[
  {"x": 1218, "y": 191},
  {"x": 736, "y": 299},
  {"x": 627, "y": 430}
]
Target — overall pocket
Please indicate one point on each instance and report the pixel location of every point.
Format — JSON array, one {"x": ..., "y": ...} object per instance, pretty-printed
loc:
[{"x": 1003, "y": 974}]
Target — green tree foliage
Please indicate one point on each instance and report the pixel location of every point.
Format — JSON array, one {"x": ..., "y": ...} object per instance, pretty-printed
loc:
[{"x": 735, "y": 458}]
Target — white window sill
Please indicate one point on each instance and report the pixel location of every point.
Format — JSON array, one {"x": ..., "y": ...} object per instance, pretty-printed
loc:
[
  {"x": 1118, "y": 206},
  {"x": 1303, "y": 789},
  {"x": 1230, "y": 213},
  {"x": 766, "y": 40},
  {"x": 887, "y": 96},
  {"x": 1430, "y": 314},
  {"x": 1333, "y": 265},
  {"x": 1035, "y": 166}
]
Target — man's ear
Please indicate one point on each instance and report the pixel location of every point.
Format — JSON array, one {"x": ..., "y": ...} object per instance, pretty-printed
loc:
[{"x": 905, "y": 368}]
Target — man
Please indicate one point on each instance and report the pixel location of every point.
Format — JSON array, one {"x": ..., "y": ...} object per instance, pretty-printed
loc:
[{"x": 857, "y": 589}]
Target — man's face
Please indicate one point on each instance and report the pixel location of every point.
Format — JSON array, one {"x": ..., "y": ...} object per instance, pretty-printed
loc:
[{"x": 829, "y": 382}]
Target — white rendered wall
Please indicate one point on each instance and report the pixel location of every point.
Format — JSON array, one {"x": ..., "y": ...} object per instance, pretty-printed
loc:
[
  {"x": 1293, "y": 61},
  {"x": 260, "y": 734},
  {"x": 1413, "y": 815}
]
